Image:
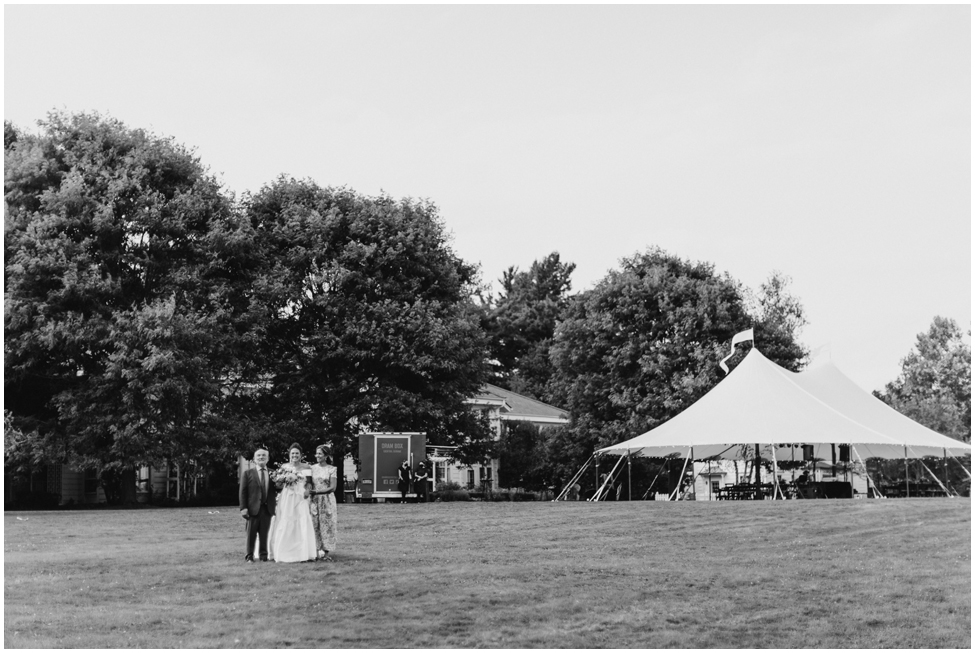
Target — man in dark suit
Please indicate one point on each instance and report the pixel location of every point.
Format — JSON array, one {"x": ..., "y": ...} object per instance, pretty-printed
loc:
[{"x": 257, "y": 500}]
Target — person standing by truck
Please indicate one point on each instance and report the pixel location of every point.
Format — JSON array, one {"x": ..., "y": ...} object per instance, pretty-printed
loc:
[
  {"x": 420, "y": 482},
  {"x": 405, "y": 476}
]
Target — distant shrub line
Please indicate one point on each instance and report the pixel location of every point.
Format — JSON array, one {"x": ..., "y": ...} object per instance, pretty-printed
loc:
[{"x": 454, "y": 492}]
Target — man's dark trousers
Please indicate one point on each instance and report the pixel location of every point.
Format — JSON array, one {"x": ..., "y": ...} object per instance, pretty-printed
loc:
[{"x": 259, "y": 525}]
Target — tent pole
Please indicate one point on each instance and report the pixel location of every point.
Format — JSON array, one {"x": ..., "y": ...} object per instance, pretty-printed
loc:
[
  {"x": 575, "y": 478},
  {"x": 680, "y": 479},
  {"x": 659, "y": 469},
  {"x": 866, "y": 473},
  {"x": 709, "y": 479},
  {"x": 775, "y": 476},
  {"x": 597, "y": 477},
  {"x": 907, "y": 475},
  {"x": 963, "y": 468},
  {"x": 758, "y": 470},
  {"x": 944, "y": 464},
  {"x": 601, "y": 485},
  {"x": 933, "y": 475},
  {"x": 629, "y": 478},
  {"x": 610, "y": 478}
]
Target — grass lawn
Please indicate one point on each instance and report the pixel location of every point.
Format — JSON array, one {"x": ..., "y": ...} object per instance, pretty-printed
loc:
[{"x": 822, "y": 574}]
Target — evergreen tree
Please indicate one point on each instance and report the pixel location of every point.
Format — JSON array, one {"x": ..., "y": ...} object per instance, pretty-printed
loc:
[{"x": 521, "y": 324}]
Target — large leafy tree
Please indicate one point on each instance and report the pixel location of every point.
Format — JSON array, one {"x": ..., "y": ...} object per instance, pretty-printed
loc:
[
  {"x": 934, "y": 387},
  {"x": 644, "y": 344},
  {"x": 369, "y": 322},
  {"x": 521, "y": 324},
  {"x": 778, "y": 316},
  {"x": 115, "y": 337}
]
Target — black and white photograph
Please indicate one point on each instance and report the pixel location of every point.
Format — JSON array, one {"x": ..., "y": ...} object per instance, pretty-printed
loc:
[{"x": 487, "y": 326}]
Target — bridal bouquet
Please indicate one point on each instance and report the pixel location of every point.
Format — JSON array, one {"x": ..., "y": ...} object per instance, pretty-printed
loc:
[{"x": 288, "y": 476}]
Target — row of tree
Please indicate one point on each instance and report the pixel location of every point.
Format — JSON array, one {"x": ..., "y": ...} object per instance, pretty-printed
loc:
[{"x": 151, "y": 316}]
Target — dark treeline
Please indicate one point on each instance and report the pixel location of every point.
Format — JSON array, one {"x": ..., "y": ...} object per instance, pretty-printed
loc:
[{"x": 151, "y": 316}]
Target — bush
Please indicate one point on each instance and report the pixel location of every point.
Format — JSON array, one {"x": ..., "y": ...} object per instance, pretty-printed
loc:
[
  {"x": 451, "y": 495},
  {"x": 450, "y": 492},
  {"x": 36, "y": 501},
  {"x": 513, "y": 495}
]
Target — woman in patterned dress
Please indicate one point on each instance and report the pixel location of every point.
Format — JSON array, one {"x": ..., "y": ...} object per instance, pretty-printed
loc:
[{"x": 324, "y": 513}]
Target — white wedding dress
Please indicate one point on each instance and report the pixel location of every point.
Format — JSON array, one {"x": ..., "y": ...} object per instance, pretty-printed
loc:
[{"x": 292, "y": 531}]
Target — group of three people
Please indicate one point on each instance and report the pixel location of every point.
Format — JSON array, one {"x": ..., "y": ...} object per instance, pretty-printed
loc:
[{"x": 292, "y": 511}]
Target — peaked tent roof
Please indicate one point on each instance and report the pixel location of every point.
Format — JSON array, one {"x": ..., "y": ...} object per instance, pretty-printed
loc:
[{"x": 763, "y": 403}]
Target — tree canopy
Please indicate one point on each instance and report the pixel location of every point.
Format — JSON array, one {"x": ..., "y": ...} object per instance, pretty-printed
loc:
[
  {"x": 934, "y": 387},
  {"x": 370, "y": 321},
  {"x": 644, "y": 344},
  {"x": 112, "y": 335},
  {"x": 150, "y": 316},
  {"x": 521, "y": 324}
]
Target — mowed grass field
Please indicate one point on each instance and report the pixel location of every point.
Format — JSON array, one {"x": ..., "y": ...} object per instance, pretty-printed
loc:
[{"x": 822, "y": 574}]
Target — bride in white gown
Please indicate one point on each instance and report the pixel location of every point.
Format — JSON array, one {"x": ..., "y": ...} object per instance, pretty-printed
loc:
[{"x": 292, "y": 530}]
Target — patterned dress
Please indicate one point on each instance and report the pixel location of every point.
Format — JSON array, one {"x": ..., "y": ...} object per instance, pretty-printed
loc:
[{"x": 325, "y": 515}]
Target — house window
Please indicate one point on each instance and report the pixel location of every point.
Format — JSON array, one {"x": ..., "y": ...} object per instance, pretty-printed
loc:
[
  {"x": 470, "y": 478},
  {"x": 91, "y": 481},
  {"x": 715, "y": 486},
  {"x": 142, "y": 481}
]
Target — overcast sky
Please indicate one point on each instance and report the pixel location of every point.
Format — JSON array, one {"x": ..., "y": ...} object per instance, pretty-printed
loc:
[{"x": 831, "y": 143}]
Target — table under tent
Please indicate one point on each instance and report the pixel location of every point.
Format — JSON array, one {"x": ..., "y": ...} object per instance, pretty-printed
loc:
[{"x": 762, "y": 408}]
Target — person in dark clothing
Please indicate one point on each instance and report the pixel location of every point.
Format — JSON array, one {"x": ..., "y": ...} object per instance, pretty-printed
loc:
[
  {"x": 420, "y": 482},
  {"x": 405, "y": 476}
]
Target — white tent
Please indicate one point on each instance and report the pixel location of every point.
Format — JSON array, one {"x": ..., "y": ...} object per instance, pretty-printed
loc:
[{"x": 762, "y": 403}]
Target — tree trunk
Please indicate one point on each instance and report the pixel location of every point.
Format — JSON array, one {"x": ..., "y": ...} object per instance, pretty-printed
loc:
[
  {"x": 128, "y": 489},
  {"x": 119, "y": 486},
  {"x": 338, "y": 459}
]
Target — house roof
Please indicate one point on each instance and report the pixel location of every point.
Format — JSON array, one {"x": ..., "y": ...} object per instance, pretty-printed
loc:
[{"x": 519, "y": 407}]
